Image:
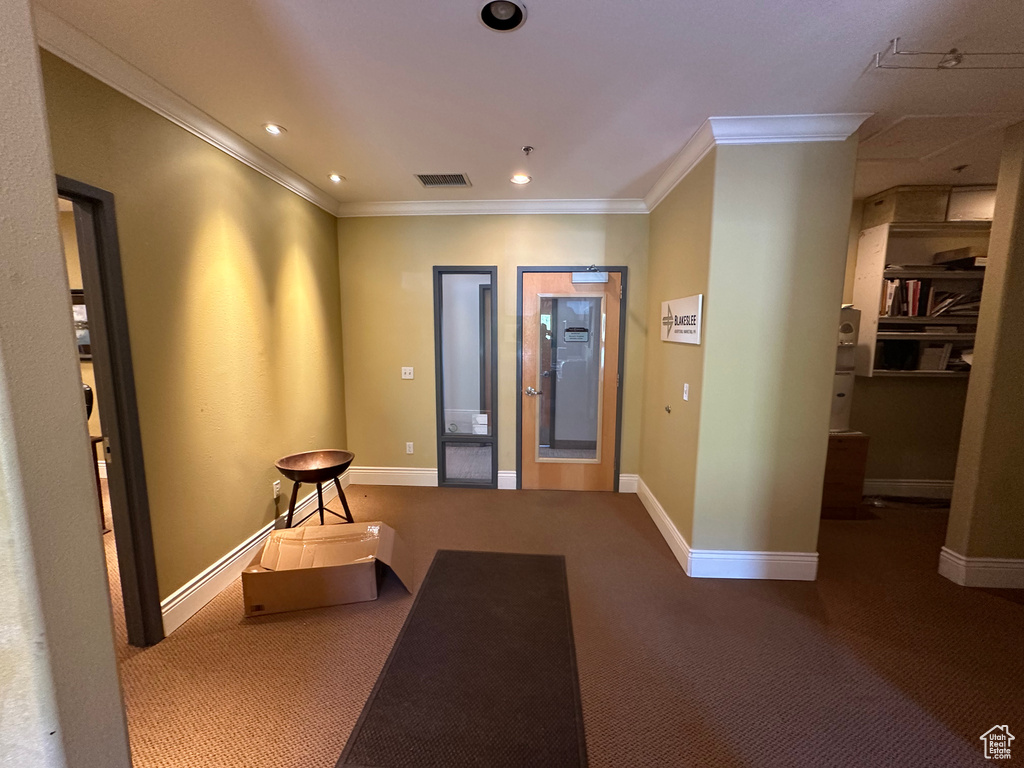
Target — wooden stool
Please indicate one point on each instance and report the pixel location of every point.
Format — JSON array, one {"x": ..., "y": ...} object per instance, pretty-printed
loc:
[{"x": 316, "y": 467}]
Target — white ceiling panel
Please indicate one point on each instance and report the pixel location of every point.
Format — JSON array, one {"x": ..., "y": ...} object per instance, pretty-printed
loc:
[{"x": 607, "y": 91}]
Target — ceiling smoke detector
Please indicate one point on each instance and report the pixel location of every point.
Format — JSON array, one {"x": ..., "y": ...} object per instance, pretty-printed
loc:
[{"x": 502, "y": 15}]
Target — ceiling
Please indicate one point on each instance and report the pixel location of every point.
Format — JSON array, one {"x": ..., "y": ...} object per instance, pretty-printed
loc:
[{"x": 607, "y": 91}]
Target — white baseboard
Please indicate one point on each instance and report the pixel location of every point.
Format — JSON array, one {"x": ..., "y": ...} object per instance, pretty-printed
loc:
[
  {"x": 186, "y": 601},
  {"x": 923, "y": 489},
  {"x": 506, "y": 479},
  {"x": 727, "y": 564},
  {"x": 421, "y": 476},
  {"x": 991, "y": 572},
  {"x": 628, "y": 483},
  {"x": 669, "y": 532}
]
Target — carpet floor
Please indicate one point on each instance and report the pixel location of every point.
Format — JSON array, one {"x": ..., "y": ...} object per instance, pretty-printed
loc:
[{"x": 880, "y": 662}]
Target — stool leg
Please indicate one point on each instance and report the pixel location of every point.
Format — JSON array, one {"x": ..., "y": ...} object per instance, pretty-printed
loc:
[
  {"x": 99, "y": 486},
  {"x": 291, "y": 505},
  {"x": 320, "y": 499},
  {"x": 344, "y": 503}
]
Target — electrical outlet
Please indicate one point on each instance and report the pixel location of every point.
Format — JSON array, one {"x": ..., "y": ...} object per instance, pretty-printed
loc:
[
  {"x": 686, "y": 391},
  {"x": 277, "y": 489},
  {"x": 407, "y": 374},
  {"x": 408, "y": 447}
]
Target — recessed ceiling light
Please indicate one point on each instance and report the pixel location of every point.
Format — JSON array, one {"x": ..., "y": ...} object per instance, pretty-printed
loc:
[
  {"x": 336, "y": 178},
  {"x": 502, "y": 15},
  {"x": 274, "y": 129},
  {"x": 521, "y": 178}
]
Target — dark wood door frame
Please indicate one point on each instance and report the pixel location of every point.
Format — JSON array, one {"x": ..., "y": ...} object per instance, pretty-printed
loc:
[
  {"x": 100, "y": 256},
  {"x": 519, "y": 361}
]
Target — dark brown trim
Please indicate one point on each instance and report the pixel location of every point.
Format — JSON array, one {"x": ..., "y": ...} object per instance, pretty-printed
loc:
[{"x": 100, "y": 257}]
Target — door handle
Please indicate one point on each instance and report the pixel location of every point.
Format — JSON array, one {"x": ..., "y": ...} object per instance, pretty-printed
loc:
[{"x": 533, "y": 392}]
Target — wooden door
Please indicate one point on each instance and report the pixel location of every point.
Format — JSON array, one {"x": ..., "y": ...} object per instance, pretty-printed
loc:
[{"x": 570, "y": 363}]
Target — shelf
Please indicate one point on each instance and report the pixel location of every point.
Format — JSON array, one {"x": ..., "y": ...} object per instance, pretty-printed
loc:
[
  {"x": 922, "y": 374},
  {"x": 939, "y": 320},
  {"x": 943, "y": 228},
  {"x": 935, "y": 274},
  {"x": 911, "y": 336}
]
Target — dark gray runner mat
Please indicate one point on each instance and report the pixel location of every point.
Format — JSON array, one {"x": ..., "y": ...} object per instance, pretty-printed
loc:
[{"x": 482, "y": 674}]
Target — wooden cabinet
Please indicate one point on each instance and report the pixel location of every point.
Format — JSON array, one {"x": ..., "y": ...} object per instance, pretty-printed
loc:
[{"x": 844, "y": 475}]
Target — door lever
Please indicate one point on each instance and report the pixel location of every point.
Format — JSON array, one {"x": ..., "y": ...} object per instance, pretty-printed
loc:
[{"x": 532, "y": 392}]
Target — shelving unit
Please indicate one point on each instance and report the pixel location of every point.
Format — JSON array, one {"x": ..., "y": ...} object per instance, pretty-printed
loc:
[
  {"x": 928, "y": 274},
  {"x": 897, "y": 336},
  {"x": 923, "y": 374},
  {"x": 906, "y": 246}
]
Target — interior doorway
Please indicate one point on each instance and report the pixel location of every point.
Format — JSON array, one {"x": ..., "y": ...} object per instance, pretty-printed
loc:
[
  {"x": 466, "y": 370},
  {"x": 571, "y": 340},
  {"x": 101, "y": 327}
]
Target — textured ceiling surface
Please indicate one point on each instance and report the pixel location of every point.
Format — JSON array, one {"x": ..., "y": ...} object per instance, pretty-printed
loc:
[{"x": 607, "y": 91}]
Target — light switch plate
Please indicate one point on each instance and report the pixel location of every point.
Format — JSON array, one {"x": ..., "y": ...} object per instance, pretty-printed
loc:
[
  {"x": 686, "y": 391},
  {"x": 407, "y": 372}
]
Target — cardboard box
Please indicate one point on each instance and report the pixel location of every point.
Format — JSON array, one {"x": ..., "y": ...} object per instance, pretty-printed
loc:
[
  {"x": 906, "y": 204},
  {"x": 318, "y": 565},
  {"x": 971, "y": 204}
]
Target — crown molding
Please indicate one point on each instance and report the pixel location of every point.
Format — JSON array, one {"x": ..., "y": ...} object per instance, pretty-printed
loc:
[
  {"x": 77, "y": 48},
  {"x": 489, "y": 207},
  {"x": 762, "y": 129},
  {"x": 695, "y": 149},
  {"x": 786, "y": 129}
]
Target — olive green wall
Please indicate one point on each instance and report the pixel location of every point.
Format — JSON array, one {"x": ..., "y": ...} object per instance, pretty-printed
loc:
[
  {"x": 388, "y": 317},
  {"x": 986, "y": 517},
  {"x": 231, "y": 286},
  {"x": 856, "y": 214},
  {"x": 679, "y": 254},
  {"x": 778, "y": 253}
]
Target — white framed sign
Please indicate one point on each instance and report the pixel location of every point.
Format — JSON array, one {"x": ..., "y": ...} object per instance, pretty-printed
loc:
[{"x": 681, "y": 318}]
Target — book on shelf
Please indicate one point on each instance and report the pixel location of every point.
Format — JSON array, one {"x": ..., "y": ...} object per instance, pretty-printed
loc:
[
  {"x": 968, "y": 256},
  {"x": 888, "y": 296},
  {"x": 934, "y": 357},
  {"x": 955, "y": 303},
  {"x": 905, "y": 298},
  {"x": 935, "y": 268}
]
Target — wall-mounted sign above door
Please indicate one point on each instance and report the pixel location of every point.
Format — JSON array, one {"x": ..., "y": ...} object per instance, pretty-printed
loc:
[{"x": 680, "y": 319}]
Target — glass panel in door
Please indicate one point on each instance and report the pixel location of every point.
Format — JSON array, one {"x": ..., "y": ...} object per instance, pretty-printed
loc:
[{"x": 571, "y": 355}]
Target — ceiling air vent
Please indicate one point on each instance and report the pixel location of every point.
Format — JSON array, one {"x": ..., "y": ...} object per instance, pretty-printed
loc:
[{"x": 443, "y": 180}]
